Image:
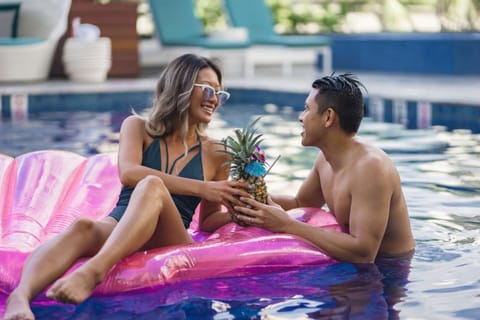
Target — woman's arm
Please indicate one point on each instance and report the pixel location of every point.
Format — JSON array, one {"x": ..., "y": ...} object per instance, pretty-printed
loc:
[
  {"x": 212, "y": 214},
  {"x": 134, "y": 138}
]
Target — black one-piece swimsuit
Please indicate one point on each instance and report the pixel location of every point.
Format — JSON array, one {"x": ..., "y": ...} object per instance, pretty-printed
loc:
[{"x": 151, "y": 158}]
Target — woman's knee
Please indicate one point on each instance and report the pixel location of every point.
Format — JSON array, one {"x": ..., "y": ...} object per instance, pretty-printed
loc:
[
  {"x": 152, "y": 186},
  {"x": 82, "y": 229},
  {"x": 87, "y": 234}
]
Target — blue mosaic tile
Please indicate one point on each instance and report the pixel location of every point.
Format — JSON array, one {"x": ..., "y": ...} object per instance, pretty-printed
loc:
[
  {"x": 411, "y": 114},
  {"x": 448, "y": 115},
  {"x": 388, "y": 111}
]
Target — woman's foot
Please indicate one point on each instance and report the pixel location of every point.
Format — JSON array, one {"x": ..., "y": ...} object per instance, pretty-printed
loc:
[
  {"x": 18, "y": 308},
  {"x": 74, "y": 288}
]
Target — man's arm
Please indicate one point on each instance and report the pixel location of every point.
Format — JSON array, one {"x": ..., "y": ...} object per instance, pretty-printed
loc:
[
  {"x": 371, "y": 192},
  {"x": 368, "y": 218},
  {"x": 308, "y": 195}
]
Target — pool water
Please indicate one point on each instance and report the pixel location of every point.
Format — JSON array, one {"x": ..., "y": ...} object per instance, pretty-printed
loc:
[{"x": 441, "y": 178}]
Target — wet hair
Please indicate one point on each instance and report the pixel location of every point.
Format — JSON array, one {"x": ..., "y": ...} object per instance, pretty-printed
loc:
[
  {"x": 343, "y": 94},
  {"x": 170, "y": 106}
]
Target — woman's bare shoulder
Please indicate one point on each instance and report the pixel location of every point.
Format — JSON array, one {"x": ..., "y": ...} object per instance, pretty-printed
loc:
[
  {"x": 133, "y": 120},
  {"x": 214, "y": 148},
  {"x": 134, "y": 127},
  {"x": 212, "y": 144},
  {"x": 134, "y": 123}
]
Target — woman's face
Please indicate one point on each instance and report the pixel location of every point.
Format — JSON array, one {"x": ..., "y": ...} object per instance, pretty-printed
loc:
[{"x": 202, "y": 108}]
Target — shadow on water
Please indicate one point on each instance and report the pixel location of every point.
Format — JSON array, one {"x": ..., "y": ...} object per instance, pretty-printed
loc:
[{"x": 340, "y": 291}]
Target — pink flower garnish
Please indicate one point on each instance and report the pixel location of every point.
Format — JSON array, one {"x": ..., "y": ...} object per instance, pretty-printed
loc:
[{"x": 258, "y": 155}]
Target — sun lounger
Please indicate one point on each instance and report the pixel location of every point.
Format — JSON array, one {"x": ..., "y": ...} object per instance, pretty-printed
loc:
[
  {"x": 179, "y": 31},
  {"x": 27, "y": 53},
  {"x": 256, "y": 16}
]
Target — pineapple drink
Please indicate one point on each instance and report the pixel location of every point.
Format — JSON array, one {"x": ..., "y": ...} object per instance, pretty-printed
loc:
[{"x": 247, "y": 161}]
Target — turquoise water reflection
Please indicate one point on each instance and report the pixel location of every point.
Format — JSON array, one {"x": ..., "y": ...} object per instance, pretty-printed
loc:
[{"x": 441, "y": 177}]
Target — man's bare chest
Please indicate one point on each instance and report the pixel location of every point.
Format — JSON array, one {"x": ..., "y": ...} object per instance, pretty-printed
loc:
[{"x": 337, "y": 195}]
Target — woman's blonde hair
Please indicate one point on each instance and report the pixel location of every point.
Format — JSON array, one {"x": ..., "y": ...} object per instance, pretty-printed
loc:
[{"x": 170, "y": 106}]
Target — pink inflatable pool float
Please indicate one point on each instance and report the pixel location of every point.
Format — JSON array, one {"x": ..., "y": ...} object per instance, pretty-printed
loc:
[{"x": 42, "y": 192}]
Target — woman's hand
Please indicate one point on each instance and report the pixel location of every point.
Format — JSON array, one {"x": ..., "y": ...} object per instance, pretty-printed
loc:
[
  {"x": 269, "y": 216},
  {"x": 225, "y": 192}
]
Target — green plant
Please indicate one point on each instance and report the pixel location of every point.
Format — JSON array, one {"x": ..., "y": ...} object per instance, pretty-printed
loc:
[
  {"x": 307, "y": 16},
  {"x": 211, "y": 14}
]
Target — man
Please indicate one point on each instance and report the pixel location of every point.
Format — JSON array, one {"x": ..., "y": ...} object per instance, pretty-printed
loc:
[{"x": 358, "y": 182}]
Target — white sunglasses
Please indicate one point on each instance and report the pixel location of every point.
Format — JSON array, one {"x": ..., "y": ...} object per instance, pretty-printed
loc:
[{"x": 209, "y": 92}]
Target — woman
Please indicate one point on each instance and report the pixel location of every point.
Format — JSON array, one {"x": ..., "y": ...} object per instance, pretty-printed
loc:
[{"x": 167, "y": 166}]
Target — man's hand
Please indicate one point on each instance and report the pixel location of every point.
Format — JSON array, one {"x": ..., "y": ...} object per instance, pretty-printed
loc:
[
  {"x": 225, "y": 192},
  {"x": 269, "y": 216}
]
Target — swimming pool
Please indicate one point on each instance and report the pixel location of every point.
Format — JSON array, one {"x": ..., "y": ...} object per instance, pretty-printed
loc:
[{"x": 441, "y": 177}]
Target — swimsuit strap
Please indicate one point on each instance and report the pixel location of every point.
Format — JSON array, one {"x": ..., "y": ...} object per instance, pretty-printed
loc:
[
  {"x": 169, "y": 171},
  {"x": 166, "y": 150}
]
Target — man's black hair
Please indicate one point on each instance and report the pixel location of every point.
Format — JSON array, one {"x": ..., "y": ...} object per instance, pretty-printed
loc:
[{"x": 343, "y": 94}]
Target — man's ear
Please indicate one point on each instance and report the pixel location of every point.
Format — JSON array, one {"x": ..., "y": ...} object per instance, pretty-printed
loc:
[{"x": 331, "y": 115}]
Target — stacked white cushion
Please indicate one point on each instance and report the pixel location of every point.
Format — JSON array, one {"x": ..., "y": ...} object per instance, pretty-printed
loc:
[{"x": 87, "y": 60}]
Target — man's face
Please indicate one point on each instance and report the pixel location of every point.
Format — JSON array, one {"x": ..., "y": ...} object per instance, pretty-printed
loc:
[{"x": 311, "y": 120}]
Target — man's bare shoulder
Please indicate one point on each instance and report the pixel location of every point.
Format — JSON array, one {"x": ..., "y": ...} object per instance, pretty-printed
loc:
[
  {"x": 320, "y": 159},
  {"x": 381, "y": 155},
  {"x": 374, "y": 162}
]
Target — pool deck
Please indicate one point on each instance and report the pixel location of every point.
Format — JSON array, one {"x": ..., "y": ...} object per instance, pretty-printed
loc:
[
  {"x": 442, "y": 89},
  {"x": 415, "y": 100}
]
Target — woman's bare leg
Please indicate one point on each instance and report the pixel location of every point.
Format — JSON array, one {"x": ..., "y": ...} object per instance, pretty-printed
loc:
[
  {"x": 50, "y": 260},
  {"x": 151, "y": 214}
]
